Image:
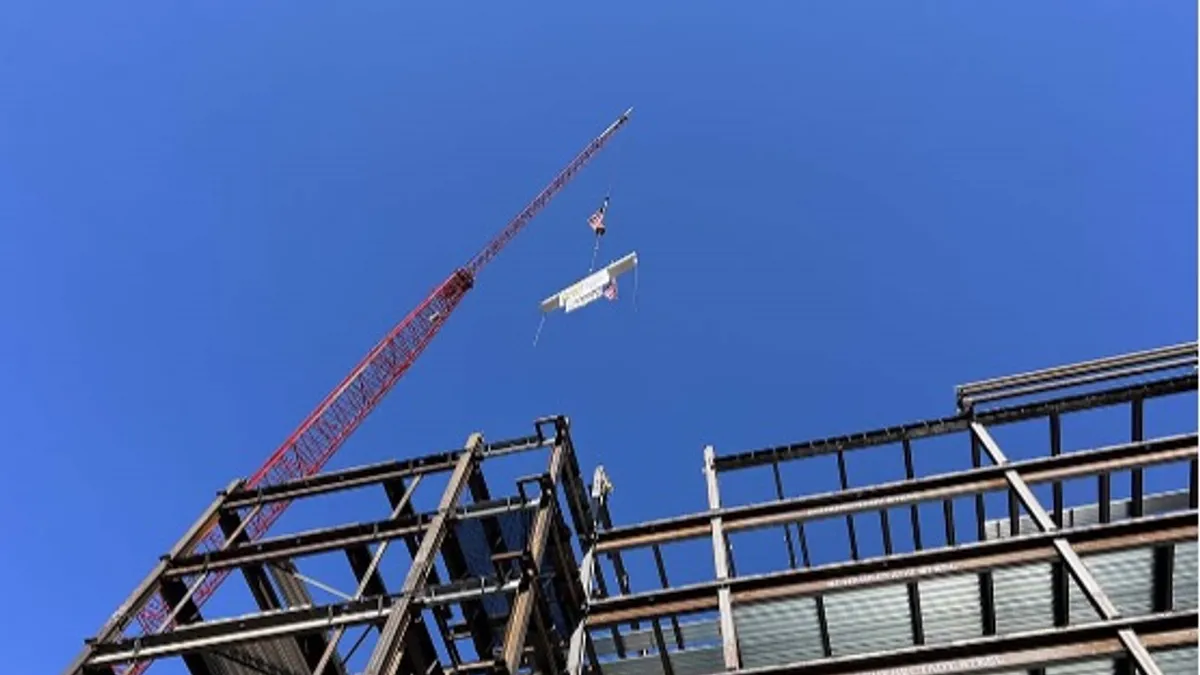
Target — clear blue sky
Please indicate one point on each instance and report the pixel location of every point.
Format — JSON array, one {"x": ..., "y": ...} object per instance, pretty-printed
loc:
[{"x": 211, "y": 210}]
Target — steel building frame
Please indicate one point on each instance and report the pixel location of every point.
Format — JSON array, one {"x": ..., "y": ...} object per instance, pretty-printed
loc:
[
  {"x": 574, "y": 611},
  {"x": 1040, "y": 536},
  {"x": 296, "y": 637}
]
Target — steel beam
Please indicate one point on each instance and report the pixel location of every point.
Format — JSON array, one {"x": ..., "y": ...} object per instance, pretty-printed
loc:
[
  {"x": 1008, "y": 653},
  {"x": 299, "y": 620},
  {"x": 389, "y": 650},
  {"x": 963, "y": 559},
  {"x": 535, "y": 549},
  {"x": 310, "y": 646},
  {"x": 1082, "y": 575},
  {"x": 313, "y": 542},
  {"x": 1085, "y": 372},
  {"x": 887, "y": 495},
  {"x": 959, "y": 423},
  {"x": 372, "y": 474},
  {"x": 1077, "y": 381},
  {"x": 116, "y": 623}
]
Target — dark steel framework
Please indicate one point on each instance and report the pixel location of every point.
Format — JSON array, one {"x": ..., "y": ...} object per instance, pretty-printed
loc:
[
  {"x": 698, "y": 642},
  {"x": 554, "y": 594},
  {"x": 517, "y": 609}
]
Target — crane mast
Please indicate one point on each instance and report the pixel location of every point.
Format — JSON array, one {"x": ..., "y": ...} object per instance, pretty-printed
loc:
[{"x": 322, "y": 433}]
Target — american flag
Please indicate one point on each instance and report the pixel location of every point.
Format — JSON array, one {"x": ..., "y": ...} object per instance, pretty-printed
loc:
[
  {"x": 610, "y": 290},
  {"x": 596, "y": 222}
]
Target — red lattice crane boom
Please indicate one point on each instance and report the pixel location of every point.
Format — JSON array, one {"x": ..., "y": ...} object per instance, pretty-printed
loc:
[{"x": 320, "y": 435}]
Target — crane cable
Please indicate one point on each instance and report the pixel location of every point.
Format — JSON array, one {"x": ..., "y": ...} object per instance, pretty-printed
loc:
[{"x": 612, "y": 179}]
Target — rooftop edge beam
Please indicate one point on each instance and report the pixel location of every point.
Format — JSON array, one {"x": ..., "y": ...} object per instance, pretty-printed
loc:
[
  {"x": 371, "y": 474},
  {"x": 959, "y": 423},
  {"x": 1158, "y": 355}
]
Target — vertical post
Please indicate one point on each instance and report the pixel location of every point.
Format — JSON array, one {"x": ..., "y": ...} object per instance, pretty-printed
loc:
[
  {"x": 662, "y": 579},
  {"x": 1060, "y": 588},
  {"x": 844, "y": 481},
  {"x": 389, "y": 649},
  {"x": 787, "y": 527},
  {"x": 543, "y": 520},
  {"x": 911, "y": 474},
  {"x": 579, "y": 635},
  {"x": 601, "y": 487},
  {"x": 721, "y": 563},
  {"x": 1137, "y": 475}
]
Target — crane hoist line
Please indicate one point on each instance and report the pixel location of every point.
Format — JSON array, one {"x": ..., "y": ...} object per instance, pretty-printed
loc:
[{"x": 320, "y": 435}]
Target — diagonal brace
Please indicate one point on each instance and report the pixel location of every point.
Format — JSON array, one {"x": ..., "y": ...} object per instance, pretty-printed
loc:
[
  {"x": 389, "y": 650},
  {"x": 1079, "y": 571}
]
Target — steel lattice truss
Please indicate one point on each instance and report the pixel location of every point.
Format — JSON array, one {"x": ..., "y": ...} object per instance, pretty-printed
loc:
[{"x": 540, "y": 580}]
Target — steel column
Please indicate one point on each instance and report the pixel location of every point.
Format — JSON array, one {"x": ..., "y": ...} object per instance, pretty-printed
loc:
[
  {"x": 721, "y": 563},
  {"x": 523, "y": 605},
  {"x": 601, "y": 488}
]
